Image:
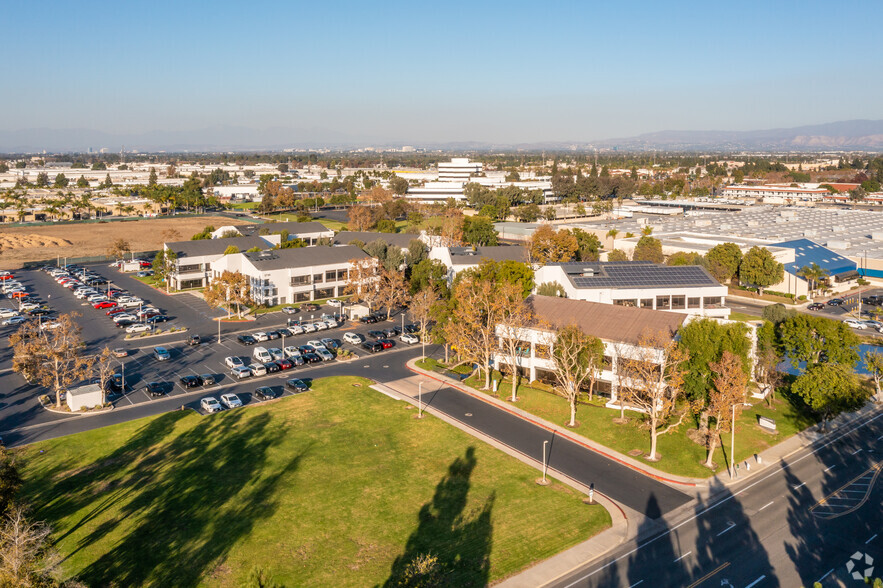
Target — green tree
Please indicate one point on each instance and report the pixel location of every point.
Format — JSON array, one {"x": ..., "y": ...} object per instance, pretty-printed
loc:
[
  {"x": 829, "y": 389},
  {"x": 759, "y": 268},
  {"x": 724, "y": 261},
  {"x": 253, "y": 250},
  {"x": 151, "y": 181},
  {"x": 398, "y": 185},
  {"x": 61, "y": 181},
  {"x": 816, "y": 339},
  {"x": 577, "y": 358},
  {"x": 503, "y": 272},
  {"x": 617, "y": 255},
  {"x": 874, "y": 364},
  {"x": 386, "y": 226},
  {"x": 551, "y": 289},
  {"x": 99, "y": 165},
  {"x": 776, "y": 313},
  {"x": 479, "y": 231},
  {"x": 547, "y": 245},
  {"x": 588, "y": 245},
  {"x": 42, "y": 180},
  {"x": 681, "y": 258},
  {"x": 10, "y": 480},
  {"x": 813, "y": 274},
  {"x": 164, "y": 265},
  {"x": 612, "y": 233},
  {"x": 82, "y": 182},
  {"x": 231, "y": 249},
  {"x": 429, "y": 273},
  {"x": 648, "y": 249}
]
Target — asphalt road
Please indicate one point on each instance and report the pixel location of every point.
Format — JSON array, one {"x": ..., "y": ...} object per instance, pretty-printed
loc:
[{"x": 797, "y": 524}]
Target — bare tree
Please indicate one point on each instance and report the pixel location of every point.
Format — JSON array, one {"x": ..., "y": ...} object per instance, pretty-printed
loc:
[
  {"x": 119, "y": 248},
  {"x": 361, "y": 282},
  {"x": 727, "y": 395},
  {"x": 392, "y": 290},
  {"x": 577, "y": 357},
  {"x": 229, "y": 289},
  {"x": 105, "y": 365},
  {"x": 473, "y": 323},
  {"x": 513, "y": 315},
  {"x": 26, "y": 556},
  {"x": 654, "y": 383},
  {"x": 421, "y": 310},
  {"x": 52, "y": 356}
]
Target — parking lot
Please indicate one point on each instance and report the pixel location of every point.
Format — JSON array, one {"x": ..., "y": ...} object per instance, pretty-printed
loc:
[{"x": 19, "y": 406}]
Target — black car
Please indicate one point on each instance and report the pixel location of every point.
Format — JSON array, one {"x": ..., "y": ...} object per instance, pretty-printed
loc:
[
  {"x": 392, "y": 331},
  {"x": 306, "y": 349},
  {"x": 191, "y": 381},
  {"x": 155, "y": 389},
  {"x": 372, "y": 346},
  {"x": 207, "y": 379},
  {"x": 368, "y": 320},
  {"x": 311, "y": 358},
  {"x": 310, "y": 307},
  {"x": 246, "y": 339},
  {"x": 115, "y": 384},
  {"x": 815, "y": 306},
  {"x": 39, "y": 311},
  {"x": 284, "y": 332},
  {"x": 265, "y": 393},
  {"x": 835, "y": 302},
  {"x": 273, "y": 335},
  {"x": 194, "y": 340},
  {"x": 124, "y": 323},
  {"x": 157, "y": 318},
  {"x": 412, "y": 328},
  {"x": 376, "y": 334},
  {"x": 297, "y": 384},
  {"x": 271, "y": 367}
]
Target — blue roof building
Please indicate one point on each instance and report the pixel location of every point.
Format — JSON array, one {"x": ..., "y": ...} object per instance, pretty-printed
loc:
[{"x": 807, "y": 252}]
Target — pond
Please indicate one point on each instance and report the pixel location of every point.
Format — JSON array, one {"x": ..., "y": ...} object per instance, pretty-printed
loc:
[{"x": 863, "y": 350}]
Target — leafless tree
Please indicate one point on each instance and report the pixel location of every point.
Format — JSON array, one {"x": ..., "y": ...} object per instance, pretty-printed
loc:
[{"x": 727, "y": 396}]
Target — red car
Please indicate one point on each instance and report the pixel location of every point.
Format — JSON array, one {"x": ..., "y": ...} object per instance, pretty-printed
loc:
[
  {"x": 19, "y": 295},
  {"x": 284, "y": 364},
  {"x": 104, "y": 304},
  {"x": 386, "y": 343},
  {"x": 145, "y": 264},
  {"x": 115, "y": 310},
  {"x": 6, "y": 277}
]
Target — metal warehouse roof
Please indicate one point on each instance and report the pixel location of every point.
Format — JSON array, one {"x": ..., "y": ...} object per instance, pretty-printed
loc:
[{"x": 807, "y": 252}]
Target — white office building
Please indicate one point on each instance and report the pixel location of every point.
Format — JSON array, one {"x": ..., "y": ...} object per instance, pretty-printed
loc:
[
  {"x": 459, "y": 169},
  {"x": 194, "y": 258}
]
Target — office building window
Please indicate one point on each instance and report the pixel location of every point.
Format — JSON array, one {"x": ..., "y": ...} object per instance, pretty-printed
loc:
[
  {"x": 663, "y": 303},
  {"x": 331, "y": 276},
  {"x": 646, "y": 303},
  {"x": 712, "y": 302},
  {"x": 694, "y": 302},
  {"x": 317, "y": 278},
  {"x": 300, "y": 280},
  {"x": 678, "y": 302},
  {"x": 626, "y": 302}
]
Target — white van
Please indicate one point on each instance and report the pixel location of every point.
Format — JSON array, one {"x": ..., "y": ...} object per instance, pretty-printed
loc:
[{"x": 262, "y": 355}]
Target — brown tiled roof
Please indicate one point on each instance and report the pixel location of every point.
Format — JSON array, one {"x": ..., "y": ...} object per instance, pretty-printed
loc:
[{"x": 605, "y": 321}]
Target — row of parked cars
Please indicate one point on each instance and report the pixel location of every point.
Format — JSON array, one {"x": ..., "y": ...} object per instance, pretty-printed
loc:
[
  {"x": 230, "y": 400},
  {"x": 27, "y": 304}
]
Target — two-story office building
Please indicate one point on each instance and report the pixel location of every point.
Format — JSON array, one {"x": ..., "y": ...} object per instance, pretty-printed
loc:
[
  {"x": 686, "y": 289},
  {"x": 196, "y": 257},
  {"x": 310, "y": 232},
  {"x": 619, "y": 328},
  {"x": 285, "y": 276},
  {"x": 458, "y": 259}
]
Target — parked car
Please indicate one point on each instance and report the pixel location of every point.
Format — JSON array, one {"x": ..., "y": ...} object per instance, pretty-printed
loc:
[
  {"x": 290, "y": 310},
  {"x": 855, "y": 324},
  {"x": 265, "y": 393},
  {"x": 335, "y": 302},
  {"x": 191, "y": 381},
  {"x": 258, "y": 369},
  {"x": 372, "y": 346},
  {"x": 273, "y": 335},
  {"x": 120, "y": 352},
  {"x": 311, "y": 357},
  {"x": 331, "y": 344},
  {"x": 324, "y": 354},
  {"x": 158, "y": 318},
  {"x": 297, "y": 384},
  {"x": 835, "y": 302},
  {"x": 815, "y": 306},
  {"x": 353, "y": 338},
  {"x": 207, "y": 379},
  {"x": 276, "y": 353},
  {"x": 116, "y": 311},
  {"x": 8, "y": 312},
  {"x": 210, "y": 404},
  {"x": 871, "y": 324},
  {"x": 309, "y": 328},
  {"x": 272, "y": 367},
  {"x": 233, "y": 361},
  {"x": 296, "y": 330},
  {"x": 320, "y": 325},
  {"x": 290, "y": 351},
  {"x": 306, "y": 349},
  {"x": 137, "y": 328},
  {"x": 309, "y": 307},
  {"x": 386, "y": 343},
  {"x": 155, "y": 389},
  {"x": 260, "y": 336},
  {"x": 161, "y": 353},
  {"x": 376, "y": 334},
  {"x": 284, "y": 364},
  {"x": 39, "y": 312},
  {"x": 412, "y": 328},
  {"x": 194, "y": 340},
  {"x": 246, "y": 339},
  {"x": 230, "y": 400},
  {"x": 410, "y": 339},
  {"x": 239, "y": 372}
]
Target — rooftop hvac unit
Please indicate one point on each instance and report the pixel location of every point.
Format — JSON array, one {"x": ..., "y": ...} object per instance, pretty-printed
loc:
[
  {"x": 753, "y": 223},
  {"x": 838, "y": 229},
  {"x": 877, "y": 235},
  {"x": 810, "y": 233},
  {"x": 703, "y": 222},
  {"x": 837, "y": 244}
]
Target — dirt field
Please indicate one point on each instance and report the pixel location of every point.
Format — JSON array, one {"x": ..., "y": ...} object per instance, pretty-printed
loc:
[{"x": 21, "y": 244}]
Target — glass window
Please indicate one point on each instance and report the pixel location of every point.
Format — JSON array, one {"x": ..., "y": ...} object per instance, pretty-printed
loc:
[
  {"x": 301, "y": 296},
  {"x": 662, "y": 303},
  {"x": 679, "y": 302},
  {"x": 626, "y": 302},
  {"x": 693, "y": 302},
  {"x": 646, "y": 303},
  {"x": 300, "y": 280},
  {"x": 712, "y": 301},
  {"x": 341, "y": 275},
  {"x": 317, "y": 278},
  {"x": 331, "y": 276}
]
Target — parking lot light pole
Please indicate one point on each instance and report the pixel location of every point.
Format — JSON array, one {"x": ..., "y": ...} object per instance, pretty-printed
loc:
[
  {"x": 545, "y": 464},
  {"x": 733, "y": 443},
  {"x": 219, "y": 329},
  {"x": 420, "y": 400}
]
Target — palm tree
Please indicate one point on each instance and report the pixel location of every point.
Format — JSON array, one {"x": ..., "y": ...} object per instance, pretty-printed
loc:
[
  {"x": 647, "y": 231},
  {"x": 813, "y": 274},
  {"x": 612, "y": 233}
]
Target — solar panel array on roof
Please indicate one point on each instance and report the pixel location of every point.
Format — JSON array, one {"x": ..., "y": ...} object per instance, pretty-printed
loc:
[{"x": 639, "y": 275}]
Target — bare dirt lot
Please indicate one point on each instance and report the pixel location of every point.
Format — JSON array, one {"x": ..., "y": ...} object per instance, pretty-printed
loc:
[{"x": 21, "y": 244}]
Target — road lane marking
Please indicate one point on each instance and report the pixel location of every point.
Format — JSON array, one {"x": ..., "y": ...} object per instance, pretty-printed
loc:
[
  {"x": 730, "y": 528},
  {"x": 756, "y": 581},
  {"x": 856, "y": 451},
  {"x": 800, "y": 485},
  {"x": 682, "y": 557},
  {"x": 766, "y": 505},
  {"x": 830, "y": 467},
  {"x": 636, "y": 583},
  {"x": 825, "y": 576},
  {"x": 874, "y": 536},
  {"x": 707, "y": 576}
]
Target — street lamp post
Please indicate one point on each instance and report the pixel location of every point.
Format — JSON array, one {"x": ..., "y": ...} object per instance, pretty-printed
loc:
[
  {"x": 733, "y": 444},
  {"x": 545, "y": 443},
  {"x": 420, "y": 400}
]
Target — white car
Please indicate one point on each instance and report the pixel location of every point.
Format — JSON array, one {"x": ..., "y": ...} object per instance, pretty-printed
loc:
[
  {"x": 96, "y": 298},
  {"x": 230, "y": 400},
  {"x": 13, "y": 320},
  {"x": 239, "y": 372},
  {"x": 83, "y": 293},
  {"x": 291, "y": 351},
  {"x": 353, "y": 338},
  {"x": 137, "y": 328},
  {"x": 317, "y": 344},
  {"x": 331, "y": 323},
  {"x": 210, "y": 405},
  {"x": 52, "y": 325},
  {"x": 258, "y": 369},
  {"x": 309, "y": 328},
  {"x": 276, "y": 353},
  {"x": 8, "y": 313},
  {"x": 233, "y": 362},
  {"x": 28, "y": 306},
  {"x": 289, "y": 310},
  {"x": 131, "y": 303},
  {"x": 335, "y": 302},
  {"x": 854, "y": 324},
  {"x": 320, "y": 326},
  {"x": 296, "y": 330},
  {"x": 410, "y": 338},
  {"x": 260, "y": 336},
  {"x": 124, "y": 316}
]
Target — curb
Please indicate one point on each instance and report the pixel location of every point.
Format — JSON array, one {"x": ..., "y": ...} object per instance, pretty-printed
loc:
[
  {"x": 417, "y": 370},
  {"x": 54, "y": 410}
]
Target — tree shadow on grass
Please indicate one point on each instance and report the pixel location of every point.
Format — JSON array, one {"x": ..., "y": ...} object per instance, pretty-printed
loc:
[
  {"x": 461, "y": 539},
  {"x": 178, "y": 506}
]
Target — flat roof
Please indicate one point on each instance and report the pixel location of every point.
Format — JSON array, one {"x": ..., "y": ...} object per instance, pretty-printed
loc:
[
  {"x": 635, "y": 274},
  {"x": 396, "y": 239},
  {"x": 202, "y": 247},
  {"x": 303, "y": 257},
  {"x": 474, "y": 255}
]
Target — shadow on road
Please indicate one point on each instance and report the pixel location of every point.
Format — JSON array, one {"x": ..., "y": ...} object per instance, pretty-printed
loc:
[
  {"x": 654, "y": 562},
  {"x": 460, "y": 539}
]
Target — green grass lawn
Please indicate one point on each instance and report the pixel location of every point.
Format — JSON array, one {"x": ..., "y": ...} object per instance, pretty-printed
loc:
[
  {"x": 680, "y": 455},
  {"x": 336, "y": 486},
  {"x": 744, "y": 317},
  {"x": 244, "y": 205}
]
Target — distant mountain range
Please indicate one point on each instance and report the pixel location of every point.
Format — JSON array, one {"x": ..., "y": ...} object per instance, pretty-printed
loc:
[{"x": 838, "y": 136}]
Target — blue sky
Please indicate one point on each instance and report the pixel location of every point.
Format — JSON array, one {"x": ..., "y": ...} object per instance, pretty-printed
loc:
[{"x": 440, "y": 71}]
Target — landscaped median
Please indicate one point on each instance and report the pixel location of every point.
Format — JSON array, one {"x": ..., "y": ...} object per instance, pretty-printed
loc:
[
  {"x": 337, "y": 486},
  {"x": 679, "y": 455}
]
